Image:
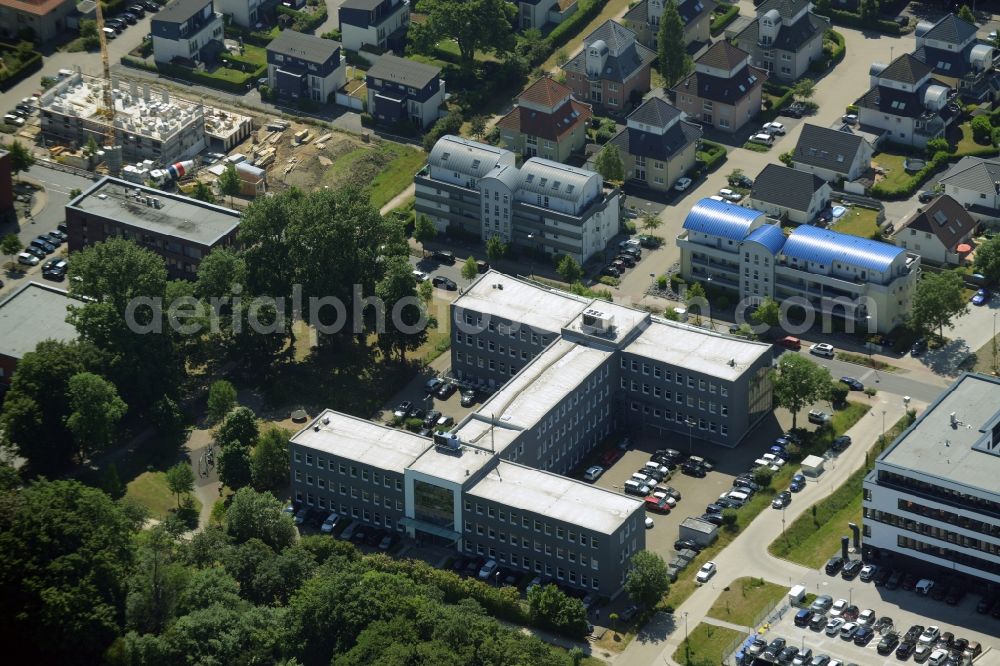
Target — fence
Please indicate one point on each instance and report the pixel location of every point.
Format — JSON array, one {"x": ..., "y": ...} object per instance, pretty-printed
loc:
[{"x": 761, "y": 624}]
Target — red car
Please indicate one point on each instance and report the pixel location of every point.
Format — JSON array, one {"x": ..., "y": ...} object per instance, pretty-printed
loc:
[
  {"x": 611, "y": 457},
  {"x": 657, "y": 504}
]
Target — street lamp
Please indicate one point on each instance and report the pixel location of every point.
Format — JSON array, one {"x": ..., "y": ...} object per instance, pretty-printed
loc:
[
  {"x": 689, "y": 422},
  {"x": 711, "y": 320},
  {"x": 687, "y": 646},
  {"x": 883, "y": 428},
  {"x": 531, "y": 249}
]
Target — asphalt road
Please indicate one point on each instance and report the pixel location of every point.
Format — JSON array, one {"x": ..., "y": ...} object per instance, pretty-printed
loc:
[{"x": 925, "y": 387}]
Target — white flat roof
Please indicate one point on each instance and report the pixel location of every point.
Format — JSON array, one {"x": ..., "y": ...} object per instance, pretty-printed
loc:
[
  {"x": 623, "y": 319},
  {"x": 555, "y": 496},
  {"x": 362, "y": 441},
  {"x": 543, "y": 383},
  {"x": 697, "y": 349},
  {"x": 33, "y": 313},
  {"x": 457, "y": 466},
  {"x": 524, "y": 302}
]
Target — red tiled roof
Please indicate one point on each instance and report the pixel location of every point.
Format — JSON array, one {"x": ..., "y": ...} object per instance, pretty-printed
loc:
[
  {"x": 552, "y": 126},
  {"x": 546, "y": 91}
]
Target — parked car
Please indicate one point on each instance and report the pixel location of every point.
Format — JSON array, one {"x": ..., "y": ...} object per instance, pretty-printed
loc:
[
  {"x": 444, "y": 256},
  {"x": 850, "y": 118},
  {"x": 431, "y": 419},
  {"x": 774, "y": 128},
  {"x": 403, "y": 409},
  {"x": 905, "y": 649},
  {"x": 329, "y": 523},
  {"x": 867, "y": 573},
  {"x": 981, "y": 297},
  {"x": 887, "y": 644},
  {"x": 419, "y": 276},
  {"x": 929, "y": 635},
  {"x": 714, "y": 518},
  {"x": 821, "y": 604},
  {"x": 851, "y": 569},
  {"x": 841, "y": 443},
  {"x": 919, "y": 347},
  {"x": 488, "y": 569},
  {"x": 852, "y": 383},
  {"x": 837, "y": 609},
  {"x": 789, "y": 342},
  {"x": 14, "y": 119},
  {"x": 834, "y": 625},
  {"x": 819, "y": 417},
  {"x": 773, "y": 649},
  {"x": 301, "y": 515},
  {"x": 848, "y": 630},
  {"x": 441, "y": 282},
  {"x": 593, "y": 473},
  {"x": 822, "y": 349},
  {"x": 818, "y": 622},
  {"x": 863, "y": 635},
  {"x": 802, "y": 617},
  {"x": 27, "y": 259},
  {"x": 781, "y": 500},
  {"x": 687, "y": 544},
  {"x": 730, "y": 195},
  {"x": 468, "y": 398},
  {"x": 926, "y": 196},
  {"x": 834, "y": 565},
  {"x": 445, "y": 390},
  {"x": 682, "y": 183}
]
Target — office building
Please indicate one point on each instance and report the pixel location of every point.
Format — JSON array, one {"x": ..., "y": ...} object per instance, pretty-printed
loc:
[
  {"x": 931, "y": 503},
  {"x": 187, "y": 30},
  {"x": 180, "y": 229},
  {"x": 866, "y": 283},
  {"x": 32, "y": 313}
]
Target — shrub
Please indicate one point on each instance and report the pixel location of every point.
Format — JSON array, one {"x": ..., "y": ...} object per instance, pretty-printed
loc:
[
  {"x": 586, "y": 11},
  {"x": 720, "y": 21},
  {"x": 450, "y": 124},
  {"x": 661, "y": 282},
  {"x": 938, "y": 144},
  {"x": 609, "y": 281},
  {"x": 712, "y": 154},
  {"x": 838, "y": 393},
  {"x": 367, "y": 120},
  {"x": 982, "y": 131},
  {"x": 676, "y": 281}
]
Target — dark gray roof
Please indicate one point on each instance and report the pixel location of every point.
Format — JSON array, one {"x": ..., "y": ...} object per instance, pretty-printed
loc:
[
  {"x": 639, "y": 12},
  {"x": 974, "y": 173},
  {"x": 305, "y": 47},
  {"x": 790, "y": 37},
  {"x": 785, "y": 187},
  {"x": 180, "y": 10},
  {"x": 719, "y": 89},
  {"x": 367, "y": 5},
  {"x": 905, "y": 69},
  {"x": 945, "y": 218},
  {"x": 655, "y": 111},
  {"x": 692, "y": 9},
  {"x": 617, "y": 68},
  {"x": 945, "y": 63},
  {"x": 827, "y": 148},
  {"x": 723, "y": 55},
  {"x": 951, "y": 29},
  {"x": 657, "y": 146},
  {"x": 898, "y": 102},
  {"x": 407, "y": 72},
  {"x": 612, "y": 33},
  {"x": 787, "y": 8}
]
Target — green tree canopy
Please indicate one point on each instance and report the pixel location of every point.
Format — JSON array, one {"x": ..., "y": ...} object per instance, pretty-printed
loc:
[
  {"x": 221, "y": 399},
  {"x": 966, "y": 14},
  {"x": 804, "y": 88},
  {"x": 768, "y": 312},
  {"x": 569, "y": 270},
  {"x": 609, "y": 164},
  {"x": 496, "y": 249},
  {"x": 238, "y": 430},
  {"x": 938, "y": 300},
  {"x": 673, "y": 61},
  {"x": 424, "y": 230},
  {"x": 95, "y": 410},
  {"x": 406, "y": 323},
  {"x": 553, "y": 608},
  {"x": 180, "y": 480},
  {"x": 203, "y": 192},
  {"x": 469, "y": 269},
  {"x": 475, "y": 25},
  {"x": 269, "y": 461},
  {"x": 253, "y": 515},
  {"x": 650, "y": 222},
  {"x": 647, "y": 579},
  {"x": 10, "y": 245},
  {"x": 229, "y": 183},
  {"x": 21, "y": 157},
  {"x": 798, "y": 382},
  {"x": 987, "y": 260}
]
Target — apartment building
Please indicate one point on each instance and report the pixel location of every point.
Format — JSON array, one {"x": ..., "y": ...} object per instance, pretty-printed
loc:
[
  {"x": 544, "y": 206},
  {"x": 304, "y": 67},
  {"x": 378, "y": 23},
  {"x": 247, "y": 13},
  {"x": 402, "y": 90},
  {"x": 189, "y": 30},
  {"x": 643, "y": 18},
  {"x": 611, "y": 69},
  {"x": 906, "y": 103},
  {"x": 546, "y": 121},
  {"x": 785, "y": 38},
  {"x": 32, "y": 313},
  {"x": 931, "y": 503},
  {"x": 180, "y": 229},
  {"x": 866, "y": 283},
  {"x": 724, "y": 91},
  {"x": 950, "y": 46},
  {"x": 46, "y": 18}
]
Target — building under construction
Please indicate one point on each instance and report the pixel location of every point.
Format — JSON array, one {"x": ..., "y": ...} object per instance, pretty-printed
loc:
[{"x": 148, "y": 124}]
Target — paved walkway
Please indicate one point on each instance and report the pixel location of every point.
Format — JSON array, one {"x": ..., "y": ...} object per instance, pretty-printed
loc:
[{"x": 747, "y": 555}]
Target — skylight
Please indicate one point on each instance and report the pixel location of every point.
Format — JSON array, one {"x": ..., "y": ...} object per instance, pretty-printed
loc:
[
  {"x": 444, "y": 158},
  {"x": 530, "y": 178},
  {"x": 476, "y": 163},
  {"x": 940, "y": 217},
  {"x": 570, "y": 188},
  {"x": 542, "y": 182},
  {"x": 555, "y": 185}
]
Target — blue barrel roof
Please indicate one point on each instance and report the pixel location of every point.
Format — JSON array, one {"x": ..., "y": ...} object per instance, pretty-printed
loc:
[
  {"x": 823, "y": 246},
  {"x": 719, "y": 218},
  {"x": 768, "y": 235}
]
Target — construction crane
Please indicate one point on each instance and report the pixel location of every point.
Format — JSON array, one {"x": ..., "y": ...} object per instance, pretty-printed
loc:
[{"x": 112, "y": 158}]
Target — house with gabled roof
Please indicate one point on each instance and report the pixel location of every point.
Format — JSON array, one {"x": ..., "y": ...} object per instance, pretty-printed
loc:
[
  {"x": 611, "y": 68},
  {"x": 936, "y": 231},
  {"x": 832, "y": 154},
  {"x": 643, "y": 18},
  {"x": 789, "y": 194},
  {"x": 785, "y": 38},
  {"x": 724, "y": 91},
  {"x": 906, "y": 102},
  {"x": 657, "y": 145},
  {"x": 539, "y": 13},
  {"x": 546, "y": 121},
  {"x": 974, "y": 182},
  {"x": 951, "y": 48}
]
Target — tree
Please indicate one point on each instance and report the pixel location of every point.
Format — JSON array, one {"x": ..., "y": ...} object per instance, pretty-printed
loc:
[
  {"x": 180, "y": 480},
  {"x": 239, "y": 429},
  {"x": 987, "y": 261},
  {"x": 10, "y": 245},
  {"x": 735, "y": 177},
  {"x": 475, "y": 25},
  {"x": 424, "y": 230},
  {"x": 966, "y": 14},
  {"x": 552, "y": 608},
  {"x": 804, "y": 88},
  {"x": 869, "y": 10},
  {"x": 798, "y": 382},
  {"x": 569, "y": 270},
  {"x": 762, "y": 476},
  {"x": 95, "y": 412},
  {"x": 768, "y": 312},
  {"x": 469, "y": 269},
  {"x": 938, "y": 300},
  {"x": 258, "y": 515},
  {"x": 405, "y": 328},
  {"x": 609, "y": 164},
  {"x": 650, "y": 222},
  {"x": 982, "y": 131},
  {"x": 65, "y": 553},
  {"x": 269, "y": 461},
  {"x": 673, "y": 62},
  {"x": 203, "y": 192},
  {"x": 21, "y": 157},
  {"x": 229, "y": 183},
  {"x": 730, "y": 519},
  {"x": 647, "y": 579},
  {"x": 221, "y": 400},
  {"x": 477, "y": 127},
  {"x": 495, "y": 248}
]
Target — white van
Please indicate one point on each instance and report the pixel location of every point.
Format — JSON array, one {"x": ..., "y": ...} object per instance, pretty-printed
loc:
[
  {"x": 738, "y": 497},
  {"x": 762, "y": 138}
]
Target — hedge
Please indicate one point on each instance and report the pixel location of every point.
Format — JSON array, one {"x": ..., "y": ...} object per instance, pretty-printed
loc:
[
  {"x": 784, "y": 94},
  {"x": 31, "y": 64},
  {"x": 909, "y": 187},
  {"x": 715, "y": 154},
  {"x": 586, "y": 11},
  {"x": 720, "y": 22},
  {"x": 305, "y": 21},
  {"x": 197, "y": 76},
  {"x": 840, "y": 51}
]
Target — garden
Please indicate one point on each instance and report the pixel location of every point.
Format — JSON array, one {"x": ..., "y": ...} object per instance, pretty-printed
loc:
[{"x": 17, "y": 61}]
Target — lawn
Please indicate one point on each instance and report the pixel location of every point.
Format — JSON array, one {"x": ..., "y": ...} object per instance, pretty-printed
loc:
[
  {"x": 706, "y": 644},
  {"x": 397, "y": 175},
  {"x": 895, "y": 175},
  {"x": 386, "y": 170},
  {"x": 150, "y": 490},
  {"x": 966, "y": 144},
  {"x": 815, "y": 536},
  {"x": 745, "y": 600},
  {"x": 858, "y": 221}
]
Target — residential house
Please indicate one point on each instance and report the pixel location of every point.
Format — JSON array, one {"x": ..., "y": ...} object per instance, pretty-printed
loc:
[
  {"x": 248, "y": 13},
  {"x": 32, "y": 313},
  {"x": 725, "y": 89},
  {"x": 906, "y": 102},
  {"x": 611, "y": 69},
  {"x": 46, "y": 19},
  {"x": 544, "y": 206},
  {"x": 950, "y": 48},
  {"x": 538, "y": 13},
  {"x": 936, "y": 231},
  {"x": 401, "y": 90},
  {"x": 546, "y": 121},
  {"x": 974, "y": 182},
  {"x": 187, "y": 30},
  {"x": 304, "y": 67},
  {"x": 789, "y": 194},
  {"x": 785, "y": 38},
  {"x": 866, "y": 283},
  {"x": 657, "y": 145},
  {"x": 378, "y": 23},
  {"x": 832, "y": 154},
  {"x": 643, "y": 18}
]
